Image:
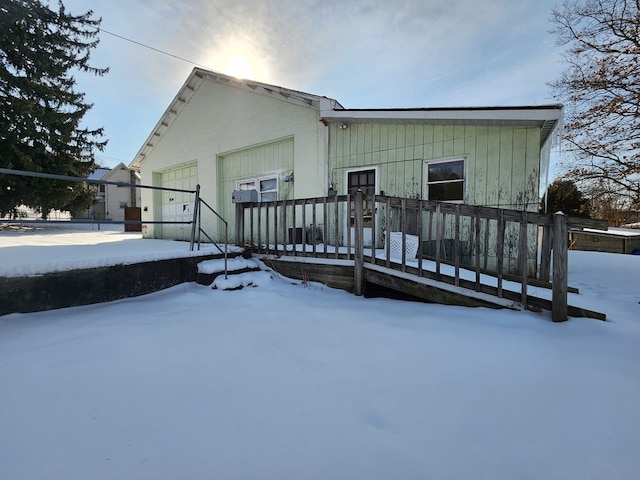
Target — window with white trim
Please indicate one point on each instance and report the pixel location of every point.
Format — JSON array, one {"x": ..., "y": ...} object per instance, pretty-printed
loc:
[
  {"x": 268, "y": 191},
  {"x": 445, "y": 180},
  {"x": 249, "y": 185},
  {"x": 267, "y": 188}
]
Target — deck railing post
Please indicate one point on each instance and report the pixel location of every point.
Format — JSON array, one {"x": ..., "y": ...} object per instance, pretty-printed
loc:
[
  {"x": 403, "y": 229},
  {"x": 439, "y": 236},
  {"x": 523, "y": 249},
  {"x": 240, "y": 224},
  {"x": 500, "y": 250},
  {"x": 559, "y": 310},
  {"x": 358, "y": 275},
  {"x": 545, "y": 253},
  {"x": 456, "y": 245},
  {"x": 194, "y": 221}
]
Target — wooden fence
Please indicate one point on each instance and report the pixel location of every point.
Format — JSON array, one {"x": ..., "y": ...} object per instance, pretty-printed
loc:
[{"x": 473, "y": 243}]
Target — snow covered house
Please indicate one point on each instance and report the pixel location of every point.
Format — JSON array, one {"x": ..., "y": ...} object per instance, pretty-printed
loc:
[
  {"x": 231, "y": 134},
  {"x": 111, "y": 201}
]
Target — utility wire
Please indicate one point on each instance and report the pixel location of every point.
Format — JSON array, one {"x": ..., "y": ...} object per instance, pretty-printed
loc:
[{"x": 152, "y": 48}]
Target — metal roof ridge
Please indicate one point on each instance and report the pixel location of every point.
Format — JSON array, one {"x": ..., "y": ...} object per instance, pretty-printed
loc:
[{"x": 255, "y": 83}]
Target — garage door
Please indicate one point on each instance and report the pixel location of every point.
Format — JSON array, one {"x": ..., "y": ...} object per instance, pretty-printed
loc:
[{"x": 178, "y": 206}]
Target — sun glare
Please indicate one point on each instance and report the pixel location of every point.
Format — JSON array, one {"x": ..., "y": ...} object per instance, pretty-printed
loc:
[{"x": 238, "y": 67}]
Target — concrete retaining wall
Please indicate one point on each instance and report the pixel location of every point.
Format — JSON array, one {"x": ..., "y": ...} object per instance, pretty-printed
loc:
[{"x": 95, "y": 285}]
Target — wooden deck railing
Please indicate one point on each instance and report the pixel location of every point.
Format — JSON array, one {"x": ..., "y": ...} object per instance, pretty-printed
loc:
[{"x": 481, "y": 248}]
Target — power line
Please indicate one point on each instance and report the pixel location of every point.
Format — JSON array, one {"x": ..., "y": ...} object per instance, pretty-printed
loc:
[{"x": 153, "y": 48}]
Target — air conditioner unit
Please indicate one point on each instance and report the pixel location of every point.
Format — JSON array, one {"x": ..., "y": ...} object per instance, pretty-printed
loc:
[{"x": 244, "y": 196}]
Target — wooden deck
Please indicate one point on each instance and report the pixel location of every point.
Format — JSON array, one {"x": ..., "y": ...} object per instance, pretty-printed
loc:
[{"x": 465, "y": 255}]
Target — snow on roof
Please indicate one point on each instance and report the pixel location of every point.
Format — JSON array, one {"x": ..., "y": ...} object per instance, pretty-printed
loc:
[{"x": 614, "y": 232}]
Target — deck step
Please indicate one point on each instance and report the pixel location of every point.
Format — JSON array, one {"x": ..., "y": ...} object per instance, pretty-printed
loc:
[
  {"x": 244, "y": 278},
  {"x": 209, "y": 270}
]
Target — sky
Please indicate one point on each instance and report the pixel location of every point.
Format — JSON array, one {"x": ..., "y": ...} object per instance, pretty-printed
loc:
[{"x": 365, "y": 54}]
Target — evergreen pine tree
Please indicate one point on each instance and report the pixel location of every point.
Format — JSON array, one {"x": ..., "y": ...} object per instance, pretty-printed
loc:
[
  {"x": 564, "y": 196},
  {"x": 40, "y": 112}
]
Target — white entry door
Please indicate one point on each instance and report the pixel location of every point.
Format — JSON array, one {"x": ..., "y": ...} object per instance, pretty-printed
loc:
[{"x": 364, "y": 180}]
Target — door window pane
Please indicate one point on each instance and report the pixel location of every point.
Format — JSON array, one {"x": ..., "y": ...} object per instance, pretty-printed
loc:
[{"x": 364, "y": 180}]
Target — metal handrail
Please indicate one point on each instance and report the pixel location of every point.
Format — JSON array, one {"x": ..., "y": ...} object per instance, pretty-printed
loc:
[
  {"x": 200, "y": 230},
  {"x": 196, "y": 222},
  {"x": 51, "y": 176}
]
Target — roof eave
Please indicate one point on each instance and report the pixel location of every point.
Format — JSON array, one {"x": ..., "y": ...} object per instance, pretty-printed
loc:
[
  {"x": 546, "y": 117},
  {"x": 195, "y": 79},
  {"x": 505, "y": 115}
]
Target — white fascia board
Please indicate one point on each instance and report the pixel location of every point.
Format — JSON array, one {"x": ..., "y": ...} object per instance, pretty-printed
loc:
[
  {"x": 454, "y": 115},
  {"x": 183, "y": 96}
]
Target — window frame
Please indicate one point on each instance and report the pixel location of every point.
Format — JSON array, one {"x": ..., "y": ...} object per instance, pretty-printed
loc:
[
  {"x": 427, "y": 183},
  {"x": 257, "y": 186}
]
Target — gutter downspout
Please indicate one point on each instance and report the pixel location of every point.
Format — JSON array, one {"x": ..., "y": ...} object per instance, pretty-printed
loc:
[{"x": 326, "y": 105}]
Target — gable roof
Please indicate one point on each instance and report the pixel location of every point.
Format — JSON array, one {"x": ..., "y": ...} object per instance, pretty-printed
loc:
[
  {"x": 98, "y": 173},
  {"x": 197, "y": 77},
  {"x": 546, "y": 117},
  {"x": 117, "y": 168}
]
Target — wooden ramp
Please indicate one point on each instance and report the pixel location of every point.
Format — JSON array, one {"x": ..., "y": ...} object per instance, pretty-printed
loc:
[
  {"x": 339, "y": 273},
  {"x": 427, "y": 247},
  {"x": 444, "y": 291},
  {"x": 432, "y": 290}
]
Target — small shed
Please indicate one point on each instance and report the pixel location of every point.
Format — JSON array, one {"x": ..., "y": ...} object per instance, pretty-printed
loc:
[{"x": 614, "y": 240}]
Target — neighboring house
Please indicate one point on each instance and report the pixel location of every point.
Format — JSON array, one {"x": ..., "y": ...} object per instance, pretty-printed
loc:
[
  {"x": 111, "y": 200},
  {"x": 229, "y": 134}
]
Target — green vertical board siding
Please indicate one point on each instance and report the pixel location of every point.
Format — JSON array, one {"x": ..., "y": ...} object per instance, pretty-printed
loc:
[
  {"x": 493, "y": 168},
  {"x": 275, "y": 159},
  {"x": 469, "y": 147},
  {"x": 375, "y": 137},
  {"x": 479, "y": 165},
  {"x": 533, "y": 167},
  {"x": 505, "y": 171},
  {"x": 521, "y": 190},
  {"x": 501, "y": 166},
  {"x": 502, "y": 162},
  {"x": 393, "y": 137}
]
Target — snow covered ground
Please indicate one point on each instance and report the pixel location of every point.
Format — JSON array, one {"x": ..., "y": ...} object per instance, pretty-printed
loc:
[
  {"x": 28, "y": 251},
  {"x": 298, "y": 381}
]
